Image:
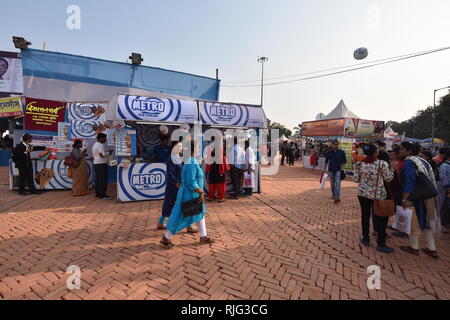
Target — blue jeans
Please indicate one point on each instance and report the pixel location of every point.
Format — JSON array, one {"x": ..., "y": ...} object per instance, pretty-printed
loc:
[{"x": 335, "y": 181}]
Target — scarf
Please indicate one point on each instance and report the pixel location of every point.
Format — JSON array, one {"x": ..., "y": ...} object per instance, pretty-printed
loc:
[{"x": 432, "y": 215}]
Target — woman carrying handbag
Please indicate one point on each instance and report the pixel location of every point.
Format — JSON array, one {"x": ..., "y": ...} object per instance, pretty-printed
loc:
[
  {"x": 369, "y": 174},
  {"x": 189, "y": 207}
]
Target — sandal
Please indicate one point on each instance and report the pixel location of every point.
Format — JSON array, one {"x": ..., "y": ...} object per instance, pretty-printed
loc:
[
  {"x": 161, "y": 227},
  {"x": 205, "y": 240},
  {"x": 410, "y": 250},
  {"x": 167, "y": 243},
  {"x": 191, "y": 230},
  {"x": 431, "y": 253}
]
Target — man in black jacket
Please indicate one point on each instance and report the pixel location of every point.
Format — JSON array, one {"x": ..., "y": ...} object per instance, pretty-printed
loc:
[{"x": 22, "y": 159}]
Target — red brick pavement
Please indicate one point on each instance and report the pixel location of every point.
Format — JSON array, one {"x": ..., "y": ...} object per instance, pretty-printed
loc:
[{"x": 290, "y": 242}]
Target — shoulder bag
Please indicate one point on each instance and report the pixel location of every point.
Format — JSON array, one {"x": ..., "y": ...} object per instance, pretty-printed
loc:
[
  {"x": 343, "y": 175},
  {"x": 192, "y": 207},
  {"x": 382, "y": 208},
  {"x": 424, "y": 189}
]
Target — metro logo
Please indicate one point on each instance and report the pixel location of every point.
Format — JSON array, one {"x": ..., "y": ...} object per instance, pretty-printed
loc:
[
  {"x": 83, "y": 128},
  {"x": 147, "y": 179},
  {"x": 222, "y": 111},
  {"x": 84, "y": 110},
  {"x": 148, "y": 105}
]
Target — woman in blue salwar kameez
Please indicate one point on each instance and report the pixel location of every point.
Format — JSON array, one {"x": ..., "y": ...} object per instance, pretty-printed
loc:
[
  {"x": 191, "y": 188},
  {"x": 426, "y": 218}
]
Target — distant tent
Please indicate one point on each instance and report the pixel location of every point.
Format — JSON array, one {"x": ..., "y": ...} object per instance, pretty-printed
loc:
[
  {"x": 341, "y": 111},
  {"x": 283, "y": 138}
]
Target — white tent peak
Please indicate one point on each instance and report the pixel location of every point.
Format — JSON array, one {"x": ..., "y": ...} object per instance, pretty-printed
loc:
[{"x": 341, "y": 111}]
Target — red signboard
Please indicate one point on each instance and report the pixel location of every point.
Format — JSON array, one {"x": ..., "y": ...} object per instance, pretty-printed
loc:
[
  {"x": 44, "y": 115},
  {"x": 323, "y": 128}
]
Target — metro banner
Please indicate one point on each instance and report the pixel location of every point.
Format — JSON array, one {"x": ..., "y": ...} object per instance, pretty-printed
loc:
[
  {"x": 216, "y": 113},
  {"x": 152, "y": 109},
  {"x": 10, "y": 107},
  {"x": 44, "y": 115}
]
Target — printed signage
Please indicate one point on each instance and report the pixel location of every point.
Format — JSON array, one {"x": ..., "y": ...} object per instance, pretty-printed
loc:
[
  {"x": 10, "y": 107},
  {"x": 44, "y": 115},
  {"x": 86, "y": 111},
  {"x": 156, "y": 109},
  {"x": 232, "y": 115},
  {"x": 141, "y": 181}
]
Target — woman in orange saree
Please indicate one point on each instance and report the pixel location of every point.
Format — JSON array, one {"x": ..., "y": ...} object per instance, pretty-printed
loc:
[{"x": 80, "y": 174}]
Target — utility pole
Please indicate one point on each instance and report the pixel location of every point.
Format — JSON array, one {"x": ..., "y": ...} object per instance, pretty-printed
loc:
[
  {"x": 433, "y": 116},
  {"x": 262, "y": 60}
]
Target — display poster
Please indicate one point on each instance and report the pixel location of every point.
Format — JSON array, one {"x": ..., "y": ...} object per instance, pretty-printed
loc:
[
  {"x": 347, "y": 146},
  {"x": 225, "y": 114},
  {"x": 11, "y": 75},
  {"x": 52, "y": 142},
  {"x": 87, "y": 111},
  {"x": 156, "y": 109},
  {"x": 126, "y": 142},
  {"x": 64, "y": 133},
  {"x": 10, "y": 107},
  {"x": 44, "y": 115}
]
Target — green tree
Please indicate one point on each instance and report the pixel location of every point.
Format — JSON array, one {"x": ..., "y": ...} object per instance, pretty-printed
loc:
[
  {"x": 419, "y": 126},
  {"x": 282, "y": 129}
]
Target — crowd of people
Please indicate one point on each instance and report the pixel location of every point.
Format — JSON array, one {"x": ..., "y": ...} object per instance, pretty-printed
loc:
[{"x": 412, "y": 178}]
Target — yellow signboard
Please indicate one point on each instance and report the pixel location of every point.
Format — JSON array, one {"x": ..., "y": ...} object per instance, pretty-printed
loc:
[{"x": 10, "y": 107}]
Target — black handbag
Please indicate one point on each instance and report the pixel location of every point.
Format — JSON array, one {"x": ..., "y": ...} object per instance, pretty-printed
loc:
[
  {"x": 343, "y": 175},
  {"x": 424, "y": 190},
  {"x": 192, "y": 207}
]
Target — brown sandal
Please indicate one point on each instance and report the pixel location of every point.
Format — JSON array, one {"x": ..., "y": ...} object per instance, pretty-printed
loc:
[
  {"x": 205, "y": 240},
  {"x": 410, "y": 250},
  {"x": 167, "y": 243},
  {"x": 161, "y": 227},
  {"x": 431, "y": 253}
]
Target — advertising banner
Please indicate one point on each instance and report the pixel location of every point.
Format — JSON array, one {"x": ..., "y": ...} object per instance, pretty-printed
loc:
[
  {"x": 156, "y": 110},
  {"x": 10, "y": 107},
  {"x": 126, "y": 142},
  {"x": 44, "y": 115},
  {"x": 363, "y": 128},
  {"x": 64, "y": 133},
  {"x": 141, "y": 181},
  {"x": 323, "y": 128},
  {"x": 232, "y": 115},
  {"x": 347, "y": 146},
  {"x": 11, "y": 76},
  {"x": 52, "y": 142},
  {"x": 87, "y": 111}
]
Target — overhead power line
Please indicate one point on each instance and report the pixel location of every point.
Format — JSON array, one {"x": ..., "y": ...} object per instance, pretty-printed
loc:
[{"x": 356, "y": 67}]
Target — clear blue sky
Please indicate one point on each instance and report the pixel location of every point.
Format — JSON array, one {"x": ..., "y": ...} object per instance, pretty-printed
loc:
[{"x": 198, "y": 36}]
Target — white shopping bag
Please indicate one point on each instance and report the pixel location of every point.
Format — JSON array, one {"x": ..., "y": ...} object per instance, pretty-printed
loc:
[
  {"x": 323, "y": 179},
  {"x": 249, "y": 180},
  {"x": 403, "y": 218}
]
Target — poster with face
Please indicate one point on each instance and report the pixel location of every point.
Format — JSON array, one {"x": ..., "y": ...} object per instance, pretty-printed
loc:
[{"x": 11, "y": 77}]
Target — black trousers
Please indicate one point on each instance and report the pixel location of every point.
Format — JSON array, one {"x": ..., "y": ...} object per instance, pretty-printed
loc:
[
  {"x": 101, "y": 178},
  {"x": 283, "y": 158},
  {"x": 236, "y": 176},
  {"x": 380, "y": 223},
  {"x": 26, "y": 177}
]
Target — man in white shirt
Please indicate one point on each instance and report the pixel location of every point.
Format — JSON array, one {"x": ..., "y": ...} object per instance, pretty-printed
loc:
[
  {"x": 100, "y": 167},
  {"x": 250, "y": 163},
  {"x": 237, "y": 168}
]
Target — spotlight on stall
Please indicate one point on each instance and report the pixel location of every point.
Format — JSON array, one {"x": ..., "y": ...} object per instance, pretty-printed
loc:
[
  {"x": 21, "y": 43},
  {"x": 136, "y": 58}
]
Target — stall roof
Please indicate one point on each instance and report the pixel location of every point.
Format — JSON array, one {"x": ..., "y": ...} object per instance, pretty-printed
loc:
[{"x": 341, "y": 111}]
